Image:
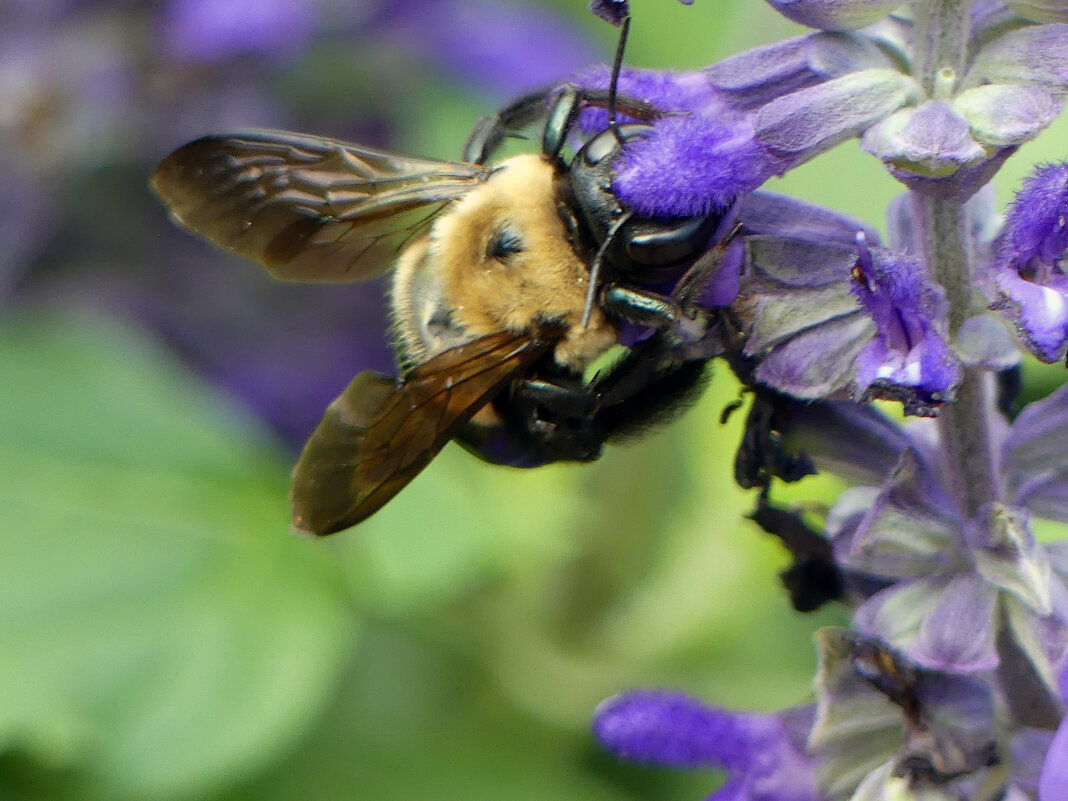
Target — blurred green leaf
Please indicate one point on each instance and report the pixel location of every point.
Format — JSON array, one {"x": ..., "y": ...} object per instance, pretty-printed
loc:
[
  {"x": 445, "y": 732},
  {"x": 163, "y": 632},
  {"x": 460, "y": 524}
]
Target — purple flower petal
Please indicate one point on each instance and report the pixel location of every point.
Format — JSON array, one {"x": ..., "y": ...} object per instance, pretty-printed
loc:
[
  {"x": 957, "y": 187},
  {"x": 1028, "y": 273},
  {"x": 1054, "y": 777},
  {"x": 757, "y": 752},
  {"x": 1034, "y": 459},
  {"x": 671, "y": 729},
  {"x": 1007, "y": 115},
  {"x": 1041, "y": 10},
  {"x": 1034, "y": 55},
  {"x": 722, "y": 289},
  {"x": 908, "y": 360},
  {"x": 757, "y": 76},
  {"x": 1036, "y": 228},
  {"x": 910, "y": 530},
  {"x": 688, "y": 165},
  {"x": 790, "y": 219},
  {"x": 1028, "y": 749},
  {"x": 1007, "y": 556},
  {"x": 932, "y": 140},
  {"x": 667, "y": 90},
  {"x": 847, "y": 439},
  {"x": 835, "y": 15},
  {"x": 957, "y": 635},
  {"x": 1039, "y": 312},
  {"x": 818, "y": 362},
  {"x": 815, "y": 119},
  {"x": 800, "y": 320}
]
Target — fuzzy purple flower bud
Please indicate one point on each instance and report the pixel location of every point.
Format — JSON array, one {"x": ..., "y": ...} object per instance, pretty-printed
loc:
[
  {"x": 763, "y": 758},
  {"x": 698, "y": 157},
  {"x": 909, "y": 360},
  {"x": 1031, "y": 284}
]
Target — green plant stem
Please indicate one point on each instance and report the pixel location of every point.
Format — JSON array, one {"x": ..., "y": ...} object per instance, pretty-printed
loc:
[{"x": 969, "y": 462}]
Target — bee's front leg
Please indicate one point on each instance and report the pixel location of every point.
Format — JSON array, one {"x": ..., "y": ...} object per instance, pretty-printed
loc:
[
  {"x": 640, "y": 306},
  {"x": 561, "y": 414},
  {"x": 682, "y": 332}
]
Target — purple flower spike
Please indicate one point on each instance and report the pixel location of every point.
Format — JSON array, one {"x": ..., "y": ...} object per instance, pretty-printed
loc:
[
  {"x": 908, "y": 360},
  {"x": 762, "y": 760},
  {"x": 1029, "y": 271}
]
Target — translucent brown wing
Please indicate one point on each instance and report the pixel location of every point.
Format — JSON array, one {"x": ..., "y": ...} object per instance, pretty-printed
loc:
[
  {"x": 307, "y": 208},
  {"x": 380, "y": 433}
]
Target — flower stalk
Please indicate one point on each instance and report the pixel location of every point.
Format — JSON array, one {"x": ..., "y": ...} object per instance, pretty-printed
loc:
[
  {"x": 941, "y": 47},
  {"x": 944, "y": 230},
  {"x": 941, "y": 40},
  {"x": 945, "y": 238}
]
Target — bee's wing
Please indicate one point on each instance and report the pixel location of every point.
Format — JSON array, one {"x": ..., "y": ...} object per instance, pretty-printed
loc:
[
  {"x": 306, "y": 207},
  {"x": 380, "y": 433}
]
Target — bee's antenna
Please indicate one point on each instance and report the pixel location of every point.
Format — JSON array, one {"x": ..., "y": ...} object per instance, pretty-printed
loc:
[
  {"x": 614, "y": 82},
  {"x": 595, "y": 266}
]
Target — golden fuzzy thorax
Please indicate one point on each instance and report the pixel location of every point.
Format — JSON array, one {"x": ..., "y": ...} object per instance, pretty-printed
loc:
[{"x": 542, "y": 281}]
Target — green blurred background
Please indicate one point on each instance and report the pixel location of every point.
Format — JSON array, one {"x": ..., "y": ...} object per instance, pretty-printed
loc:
[{"x": 163, "y": 634}]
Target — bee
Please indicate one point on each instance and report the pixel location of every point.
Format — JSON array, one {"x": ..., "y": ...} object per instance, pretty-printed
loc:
[{"x": 506, "y": 289}]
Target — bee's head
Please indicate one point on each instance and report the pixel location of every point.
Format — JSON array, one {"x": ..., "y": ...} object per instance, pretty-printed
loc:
[{"x": 508, "y": 261}]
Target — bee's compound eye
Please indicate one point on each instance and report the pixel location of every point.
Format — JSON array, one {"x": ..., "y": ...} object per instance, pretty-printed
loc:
[
  {"x": 504, "y": 243},
  {"x": 658, "y": 244},
  {"x": 607, "y": 145}
]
